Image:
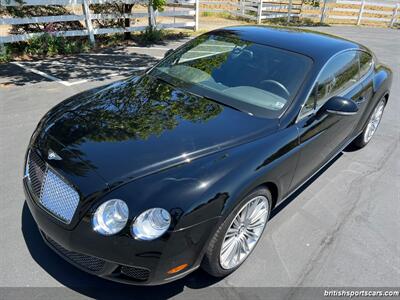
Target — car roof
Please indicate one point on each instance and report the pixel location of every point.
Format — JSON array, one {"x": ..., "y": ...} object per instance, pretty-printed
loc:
[{"x": 319, "y": 46}]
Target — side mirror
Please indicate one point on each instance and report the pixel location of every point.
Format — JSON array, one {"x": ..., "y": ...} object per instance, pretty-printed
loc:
[
  {"x": 168, "y": 52},
  {"x": 340, "y": 106}
]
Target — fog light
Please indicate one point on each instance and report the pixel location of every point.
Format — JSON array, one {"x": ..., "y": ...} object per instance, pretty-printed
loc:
[{"x": 177, "y": 269}]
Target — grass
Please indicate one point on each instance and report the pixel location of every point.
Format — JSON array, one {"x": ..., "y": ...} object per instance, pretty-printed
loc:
[
  {"x": 225, "y": 15},
  {"x": 221, "y": 14}
]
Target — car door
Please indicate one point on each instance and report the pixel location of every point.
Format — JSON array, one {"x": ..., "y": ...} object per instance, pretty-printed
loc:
[{"x": 321, "y": 135}]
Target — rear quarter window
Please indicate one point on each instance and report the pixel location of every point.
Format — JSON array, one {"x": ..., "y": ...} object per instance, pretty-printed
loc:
[{"x": 366, "y": 63}]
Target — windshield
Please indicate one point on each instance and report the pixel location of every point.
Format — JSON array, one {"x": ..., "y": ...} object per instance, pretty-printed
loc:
[{"x": 242, "y": 74}]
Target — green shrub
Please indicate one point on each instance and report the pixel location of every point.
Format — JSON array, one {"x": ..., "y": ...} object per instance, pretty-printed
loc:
[
  {"x": 5, "y": 54},
  {"x": 49, "y": 45},
  {"x": 44, "y": 45},
  {"x": 151, "y": 35}
]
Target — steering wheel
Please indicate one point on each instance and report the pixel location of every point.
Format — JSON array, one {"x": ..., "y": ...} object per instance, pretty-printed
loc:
[{"x": 278, "y": 84}]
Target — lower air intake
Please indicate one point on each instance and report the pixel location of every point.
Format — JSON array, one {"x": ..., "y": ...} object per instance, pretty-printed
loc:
[
  {"x": 88, "y": 262},
  {"x": 136, "y": 273}
]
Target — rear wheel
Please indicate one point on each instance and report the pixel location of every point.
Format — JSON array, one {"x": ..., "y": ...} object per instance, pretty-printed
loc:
[
  {"x": 373, "y": 122},
  {"x": 238, "y": 235}
]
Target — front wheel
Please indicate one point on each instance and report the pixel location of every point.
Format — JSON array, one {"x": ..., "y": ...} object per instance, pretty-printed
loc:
[
  {"x": 238, "y": 235},
  {"x": 373, "y": 122}
]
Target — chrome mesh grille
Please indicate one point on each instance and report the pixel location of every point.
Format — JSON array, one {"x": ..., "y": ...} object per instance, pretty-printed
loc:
[
  {"x": 54, "y": 194},
  {"x": 58, "y": 197}
]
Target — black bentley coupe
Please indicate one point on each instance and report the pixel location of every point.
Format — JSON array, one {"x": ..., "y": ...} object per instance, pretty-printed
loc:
[{"x": 144, "y": 180}]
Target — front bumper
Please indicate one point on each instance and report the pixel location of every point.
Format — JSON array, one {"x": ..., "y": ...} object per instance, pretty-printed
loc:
[{"x": 121, "y": 257}]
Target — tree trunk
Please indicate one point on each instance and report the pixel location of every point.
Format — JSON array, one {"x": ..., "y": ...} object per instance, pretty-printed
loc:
[
  {"x": 149, "y": 15},
  {"x": 127, "y": 21}
]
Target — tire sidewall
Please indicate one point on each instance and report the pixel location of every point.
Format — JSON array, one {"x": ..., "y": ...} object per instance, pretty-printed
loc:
[
  {"x": 359, "y": 141},
  {"x": 369, "y": 119}
]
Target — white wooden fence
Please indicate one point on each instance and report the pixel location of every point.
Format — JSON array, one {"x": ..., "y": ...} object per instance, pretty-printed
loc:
[
  {"x": 355, "y": 12},
  {"x": 255, "y": 10},
  {"x": 186, "y": 10}
]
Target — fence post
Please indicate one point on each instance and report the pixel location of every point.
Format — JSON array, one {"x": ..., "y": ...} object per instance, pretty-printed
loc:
[
  {"x": 88, "y": 21},
  {"x": 395, "y": 9},
  {"x": 360, "y": 13},
  {"x": 289, "y": 15},
  {"x": 197, "y": 12},
  {"x": 259, "y": 11},
  {"x": 323, "y": 12}
]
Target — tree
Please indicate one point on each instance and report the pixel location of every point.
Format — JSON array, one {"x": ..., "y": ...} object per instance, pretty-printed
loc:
[
  {"x": 120, "y": 8},
  {"x": 154, "y": 5},
  {"x": 117, "y": 8}
]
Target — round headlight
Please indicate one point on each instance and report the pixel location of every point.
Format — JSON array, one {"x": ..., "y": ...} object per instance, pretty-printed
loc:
[
  {"x": 110, "y": 217},
  {"x": 151, "y": 224}
]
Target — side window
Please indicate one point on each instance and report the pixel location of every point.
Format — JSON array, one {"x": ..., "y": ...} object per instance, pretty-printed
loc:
[
  {"x": 340, "y": 74},
  {"x": 365, "y": 63}
]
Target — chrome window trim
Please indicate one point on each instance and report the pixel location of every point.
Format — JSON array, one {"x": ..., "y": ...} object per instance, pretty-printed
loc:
[{"x": 299, "y": 117}]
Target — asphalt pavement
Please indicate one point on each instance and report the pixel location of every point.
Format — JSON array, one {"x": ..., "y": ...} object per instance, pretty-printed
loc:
[{"x": 341, "y": 229}]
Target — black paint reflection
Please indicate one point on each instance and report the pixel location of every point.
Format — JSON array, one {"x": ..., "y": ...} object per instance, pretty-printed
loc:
[{"x": 140, "y": 126}]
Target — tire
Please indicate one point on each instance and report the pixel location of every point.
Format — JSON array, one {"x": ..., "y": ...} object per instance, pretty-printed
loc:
[
  {"x": 364, "y": 138},
  {"x": 212, "y": 263}
]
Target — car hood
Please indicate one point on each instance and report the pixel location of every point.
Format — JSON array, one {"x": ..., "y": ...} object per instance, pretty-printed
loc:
[{"x": 142, "y": 125}]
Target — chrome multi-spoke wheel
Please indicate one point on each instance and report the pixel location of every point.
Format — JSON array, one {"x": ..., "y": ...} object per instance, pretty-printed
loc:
[
  {"x": 374, "y": 121},
  {"x": 244, "y": 232}
]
